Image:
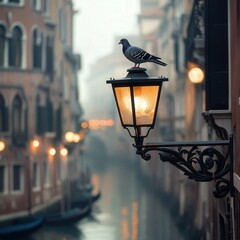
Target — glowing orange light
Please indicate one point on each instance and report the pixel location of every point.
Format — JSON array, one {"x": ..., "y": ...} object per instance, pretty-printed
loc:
[
  {"x": 52, "y": 151},
  {"x": 64, "y": 152},
  {"x": 2, "y": 146},
  {"x": 69, "y": 136},
  {"x": 96, "y": 123},
  {"x": 35, "y": 143},
  {"x": 84, "y": 125},
  {"x": 76, "y": 138},
  {"x": 196, "y": 75}
]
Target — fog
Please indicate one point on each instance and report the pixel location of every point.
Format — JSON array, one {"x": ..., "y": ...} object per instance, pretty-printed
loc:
[{"x": 96, "y": 24}]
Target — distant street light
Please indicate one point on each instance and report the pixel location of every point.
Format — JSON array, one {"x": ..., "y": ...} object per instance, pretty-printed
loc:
[
  {"x": 196, "y": 75},
  {"x": 2, "y": 146},
  {"x": 52, "y": 151}
]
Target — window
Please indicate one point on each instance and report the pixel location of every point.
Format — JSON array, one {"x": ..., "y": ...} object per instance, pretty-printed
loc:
[
  {"x": 15, "y": 48},
  {"x": 3, "y": 115},
  {"x": 3, "y": 179},
  {"x": 216, "y": 55},
  {"x": 59, "y": 122},
  {"x": 18, "y": 118},
  {"x": 36, "y": 176},
  {"x": 50, "y": 117},
  {"x": 46, "y": 7},
  {"x": 36, "y": 4},
  {"x": 17, "y": 178},
  {"x": 40, "y": 119},
  {"x": 49, "y": 55},
  {"x": 59, "y": 170},
  {"x": 15, "y": 2},
  {"x": 62, "y": 25},
  {"x": 2, "y": 44},
  {"x": 37, "y": 49},
  {"x": 46, "y": 173}
]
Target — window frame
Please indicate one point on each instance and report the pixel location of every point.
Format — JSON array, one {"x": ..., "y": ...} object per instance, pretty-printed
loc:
[
  {"x": 46, "y": 173},
  {"x": 7, "y": 2},
  {"x": 36, "y": 176},
  {"x": 37, "y": 49},
  {"x": 4, "y": 45},
  {"x": 5, "y": 179},
  {"x": 37, "y": 5},
  {"x": 21, "y": 180},
  {"x": 4, "y": 115},
  {"x": 18, "y": 123}
]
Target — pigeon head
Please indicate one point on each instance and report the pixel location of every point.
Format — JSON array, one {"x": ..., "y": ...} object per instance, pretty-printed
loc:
[{"x": 125, "y": 44}]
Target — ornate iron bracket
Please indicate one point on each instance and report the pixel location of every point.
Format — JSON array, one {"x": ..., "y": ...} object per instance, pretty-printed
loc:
[{"x": 212, "y": 162}]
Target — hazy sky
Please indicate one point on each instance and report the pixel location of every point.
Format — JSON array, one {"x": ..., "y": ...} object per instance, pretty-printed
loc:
[{"x": 97, "y": 23}]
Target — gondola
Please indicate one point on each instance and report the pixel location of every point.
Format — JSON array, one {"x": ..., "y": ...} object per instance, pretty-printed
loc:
[
  {"x": 21, "y": 228},
  {"x": 85, "y": 198},
  {"x": 69, "y": 216}
]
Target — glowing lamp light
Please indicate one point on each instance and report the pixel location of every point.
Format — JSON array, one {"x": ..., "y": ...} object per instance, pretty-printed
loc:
[
  {"x": 137, "y": 97},
  {"x": 76, "y": 138},
  {"x": 196, "y": 75},
  {"x": 35, "y": 143},
  {"x": 64, "y": 152},
  {"x": 52, "y": 151},
  {"x": 2, "y": 146},
  {"x": 84, "y": 125},
  {"x": 69, "y": 136}
]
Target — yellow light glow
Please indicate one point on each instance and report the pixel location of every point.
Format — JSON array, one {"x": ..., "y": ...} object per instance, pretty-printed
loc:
[
  {"x": 140, "y": 105},
  {"x": 2, "y": 146},
  {"x": 96, "y": 124},
  {"x": 35, "y": 143},
  {"x": 84, "y": 125},
  {"x": 64, "y": 152},
  {"x": 196, "y": 75},
  {"x": 52, "y": 151},
  {"x": 76, "y": 138},
  {"x": 69, "y": 136}
]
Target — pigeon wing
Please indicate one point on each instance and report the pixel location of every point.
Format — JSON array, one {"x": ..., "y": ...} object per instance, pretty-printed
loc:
[{"x": 140, "y": 54}]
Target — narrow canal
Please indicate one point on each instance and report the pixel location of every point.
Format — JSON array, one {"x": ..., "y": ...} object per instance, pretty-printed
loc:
[{"x": 127, "y": 209}]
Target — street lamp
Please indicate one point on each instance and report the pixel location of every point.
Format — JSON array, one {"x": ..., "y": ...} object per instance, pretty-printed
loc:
[{"x": 137, "y": 97}]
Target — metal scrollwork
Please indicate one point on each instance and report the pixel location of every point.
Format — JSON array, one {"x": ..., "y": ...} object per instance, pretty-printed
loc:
[{"x": 203, "y": 164}]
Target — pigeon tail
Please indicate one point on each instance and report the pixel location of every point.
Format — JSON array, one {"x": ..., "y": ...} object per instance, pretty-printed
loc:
[{"x": 157, "y": 61}]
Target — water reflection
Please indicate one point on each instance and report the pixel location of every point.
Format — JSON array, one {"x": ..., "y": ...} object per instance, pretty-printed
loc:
[
  {"x": 70, "y": 232},
  {"x": 127, "y": 209}
]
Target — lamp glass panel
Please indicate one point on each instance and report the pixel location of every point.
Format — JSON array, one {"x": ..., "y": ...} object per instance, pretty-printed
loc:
[
  {"x": 124, "y": 102},
  {"x": 145, "y": 101}
]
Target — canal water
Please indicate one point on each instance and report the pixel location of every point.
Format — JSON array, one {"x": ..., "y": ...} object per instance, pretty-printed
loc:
[{"x": 126, "y": 210}]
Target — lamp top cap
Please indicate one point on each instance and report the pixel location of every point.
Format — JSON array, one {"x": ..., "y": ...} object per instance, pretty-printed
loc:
[
  {"x": 137, "y": 72},
  {"x": 138, "y": 75}
]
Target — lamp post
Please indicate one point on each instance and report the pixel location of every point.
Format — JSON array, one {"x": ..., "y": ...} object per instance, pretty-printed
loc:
[{"x": 137, "y": 97}]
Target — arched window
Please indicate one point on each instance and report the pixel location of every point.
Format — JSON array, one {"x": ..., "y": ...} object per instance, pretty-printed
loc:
[
  {"x": 3, "y": 115},
  {"x": 15, "y": 48},
  {"x": 37, "y": 49},
  {"x": 18, "y": 116},
  {"x": 2, "y": 44}
]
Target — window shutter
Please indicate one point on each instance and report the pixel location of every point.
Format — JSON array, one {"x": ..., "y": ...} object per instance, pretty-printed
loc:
[{"x": 216, "y": 55}]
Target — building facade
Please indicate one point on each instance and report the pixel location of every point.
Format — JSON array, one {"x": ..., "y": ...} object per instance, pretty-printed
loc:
[
  {"x": 39, "y": 103},
  {"x": 187, "y": 34}
]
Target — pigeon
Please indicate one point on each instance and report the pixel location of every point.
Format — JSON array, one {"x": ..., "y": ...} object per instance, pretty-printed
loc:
[{"x": 138, "y": 55}]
